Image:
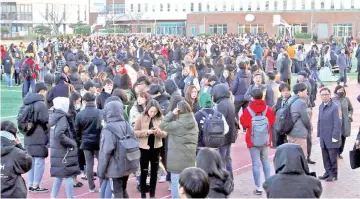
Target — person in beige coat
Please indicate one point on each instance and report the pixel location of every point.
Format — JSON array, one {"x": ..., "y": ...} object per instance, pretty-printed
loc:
[{"x": 150, "y": 137}]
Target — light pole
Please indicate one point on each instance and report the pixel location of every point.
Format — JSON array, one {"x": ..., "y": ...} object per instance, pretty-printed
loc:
[
  {"x": 113, "y": 16},
  {"x": 311, "y": 19}
]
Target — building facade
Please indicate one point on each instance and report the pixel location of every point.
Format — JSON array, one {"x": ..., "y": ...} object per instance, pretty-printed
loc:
[{"x": 21, "y": 16}]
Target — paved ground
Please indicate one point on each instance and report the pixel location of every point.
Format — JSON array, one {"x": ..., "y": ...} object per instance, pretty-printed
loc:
[{"x": 345, "y": 187}]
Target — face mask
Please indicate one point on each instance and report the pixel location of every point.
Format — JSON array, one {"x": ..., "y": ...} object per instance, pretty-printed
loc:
[
  {"x": 340, "y": 94},
  {"x": 77, "y": 106}
]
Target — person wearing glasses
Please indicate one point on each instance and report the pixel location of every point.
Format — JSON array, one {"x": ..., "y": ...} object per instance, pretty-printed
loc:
[{"x": 329, "y": 131}]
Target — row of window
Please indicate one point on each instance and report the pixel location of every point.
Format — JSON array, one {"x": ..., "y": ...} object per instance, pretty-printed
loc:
[
  {"x": 52, "y": 9},
  {"x": 339, "y": 30},
  {"x": 116, "y": 8},
  {"x": 199, "y": 7},
  {"x": 19, "y": 8}
]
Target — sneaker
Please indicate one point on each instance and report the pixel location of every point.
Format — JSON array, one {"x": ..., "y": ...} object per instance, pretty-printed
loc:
[
  {"x": 331, "y": 179},
  {"x": 31, "y": 189},
  {"x": 169, "y": 189},
  {"x": 39, "y": 190},
  {"x": 92, "y": 190},
  {"x": 258, "y": 192},
  {"x": 310, "y": 161},
  {"x": 340, "y": 157},
  {"x": 162, "y": 179}
]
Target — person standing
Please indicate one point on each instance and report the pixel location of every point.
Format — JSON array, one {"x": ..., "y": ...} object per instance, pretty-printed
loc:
[
  {"x": 35, "y": 143},
  {"x": 29, "y": 72},
  {"x": 285, "y": 68},
  {"x": 88, "y": 129},
  {"x": 221, "y": 96},
  {"x": 8, "y": 63},
  {"x": 183, "y": 132},
  {"x": 342, "y": 62},
  {"x": 258, "y": 107},
  {"x": 346, "y": 111},
  {"x": 240, "y": 85},
  {"x": 285, "y": 96},
  {"x": 150, "y": 137},
  {"x": 329, "y": 131},
  {"x": 272, "y": 90},
  {"x": 300, "y": 117}
]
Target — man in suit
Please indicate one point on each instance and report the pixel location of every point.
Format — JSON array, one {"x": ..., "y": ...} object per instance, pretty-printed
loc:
[{"x": 329, "y": 132}]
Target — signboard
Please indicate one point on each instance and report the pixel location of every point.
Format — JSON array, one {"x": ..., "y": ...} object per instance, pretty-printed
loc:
[{"x": 97, "y": 6}]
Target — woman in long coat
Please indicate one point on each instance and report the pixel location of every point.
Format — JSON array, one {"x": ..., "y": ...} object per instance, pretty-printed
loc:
[{"x": 347, "y": 112}]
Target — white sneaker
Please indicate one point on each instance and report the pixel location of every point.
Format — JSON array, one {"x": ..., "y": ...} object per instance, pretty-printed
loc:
[
  {"x": 162, "y": 179},
  {"x": 92, "y": 190},
  {"x": 169, "y": 189}
]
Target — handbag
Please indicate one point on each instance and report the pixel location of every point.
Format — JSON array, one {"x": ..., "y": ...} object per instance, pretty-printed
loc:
[{"x": 354, "y": 156}]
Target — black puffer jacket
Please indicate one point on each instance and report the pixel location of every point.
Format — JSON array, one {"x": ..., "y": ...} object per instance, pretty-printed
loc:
[
  {"x": 14, "y": 162},
  {"x": 64, "y": 152},
  {"x": 171, "y": 87},
  {"x": 221, "y": 97},
  {"x": 88, "y": 127},
  {"x": 164, "y": 101},
  {"x": 100, "y": 100},
  {"x": 35, "y": 143},
  {"x": 75, "y": 80}
]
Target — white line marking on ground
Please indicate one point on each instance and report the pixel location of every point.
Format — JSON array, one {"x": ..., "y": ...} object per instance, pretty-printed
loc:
[
  {"x": 8, "y": 116},
  {"x": 16, "y": 91}
]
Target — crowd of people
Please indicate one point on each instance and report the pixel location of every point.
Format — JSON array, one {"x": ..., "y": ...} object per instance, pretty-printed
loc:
[{"x": 168, "y": 109}]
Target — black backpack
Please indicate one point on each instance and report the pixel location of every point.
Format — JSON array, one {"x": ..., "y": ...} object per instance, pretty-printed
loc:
[
  {"x": 213, "y": 129},
  {"x": 25, "y": 120},
  {"x": 283, "y": 122},
  {"x": 28, "y": 70},
  {"x": 129, "y": 151}
]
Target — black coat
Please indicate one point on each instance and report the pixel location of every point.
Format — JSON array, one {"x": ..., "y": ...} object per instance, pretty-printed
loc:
[
  {"x": 100, "y": 100},
  {"x": 88, "y": 127},
  {"x": 292, "y": 178},
  {"x": 164, "y": 101},
  {"x": 225, "y": 106},
  {"x": 14, "y": 162},
  {"x": 64, "y": 152},
  {"x": 220, "y": 188},
  {"x": 76, "y": 82},
  {"x": 60, "y": 90},
  {"x": 35, "y": 143}
]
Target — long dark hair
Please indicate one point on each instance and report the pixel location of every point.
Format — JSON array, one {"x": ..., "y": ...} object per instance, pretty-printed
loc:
[
  {"x": 184, "y": 107},
  {"x": 338, "y": 88},
  {"x": 210, "y": 161},
  {"x": 153, "y": 103},
  {"x": 73, "y": 97},
  {"x": 145, "y": 95}
]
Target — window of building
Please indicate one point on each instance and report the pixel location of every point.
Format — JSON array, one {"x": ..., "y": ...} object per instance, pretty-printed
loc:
[
  {"x": 161, "y": 7},
  {"x": 258, "y": 6},
  {"x": 153, "y": 8},
  {"x": 193, "y": 30},
  {"x": 342, "y": 30},
  {"x": 218, "y": 28},
  {"x": 224, "y": 7},
  {"x": 199, "y": 7},
  {"x": 78, "y": 13},
  {"x": 276, "y": 3},
  {"x": 176, "y": 7},
  {"x": 139, "y": 7},
  {"x": 341, "y": 4},
  {"x": 322, "y": 4},
  {"x": 267, "y": 5},
  {"x": 300, "y": 28},
  {"x": 146, "y": 7},
  {"x": 85, "y": 13},
  {"x": 352, "y": 4},
  {"x": 192, "y": 7},
  {"x": 332, "y": 4},
  {"x": 312, "y": 5},
  {"x": 117, "y": 8},
  {"x": 303, "y": 4},
  {"x": 294, "y": 4},
  {"x": 208, "y": 7},
  {"x": 184, "y": 7},
  {"x": 216, "y": 7},
  {"x": 249, "y": 5},
  {"x": 171, "y": 28},
  {"x": 285, "y": 4},
  {"x": 250, "y": 28},
  {"x": 131, "y": 7},
  {"x": 232, "y": 7},
  {"x": 168, "y": 7}
]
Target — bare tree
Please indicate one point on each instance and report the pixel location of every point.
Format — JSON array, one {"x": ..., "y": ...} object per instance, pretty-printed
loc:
[
  {"x": 136, "y": 18},
  {"x": 56, "y": 16},
  {"x": 8, "y": 18}
]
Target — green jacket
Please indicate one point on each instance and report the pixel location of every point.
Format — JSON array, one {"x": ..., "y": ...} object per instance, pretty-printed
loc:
[{"x": 182, "y": 141}]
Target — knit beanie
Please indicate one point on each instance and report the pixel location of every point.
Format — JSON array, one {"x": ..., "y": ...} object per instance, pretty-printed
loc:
[{"x": 205, "y": 100}]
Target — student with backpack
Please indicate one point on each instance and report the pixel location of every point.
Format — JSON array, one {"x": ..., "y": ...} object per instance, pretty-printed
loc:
[
  {"x": 119, "y": 154},
  {"x": 258, "y": 119},
  {"x": 29, "y": 71},
  {"x": 211, "y": 123},
  {"x": 35, "y": 112}
]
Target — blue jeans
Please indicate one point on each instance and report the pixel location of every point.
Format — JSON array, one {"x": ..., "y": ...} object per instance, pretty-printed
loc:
[
  {"x": 8, "y": 79},
  {"x": 315, "y": 76},
  {"x": 37, "y": 171},
  {"x": 225, "y": 152},
  {"x": 259, "y": 154},
  {"x": 105, "y": 189},
  {"x": 27, "y": 85},
  {"x": 175, "y": 185},
  {"x": 69, "y": 187}
]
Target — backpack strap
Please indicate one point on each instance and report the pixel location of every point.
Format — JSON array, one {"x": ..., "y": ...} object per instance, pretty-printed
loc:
[
  {"x": 205, "y": 114},
  {"x": 112, "y": 130},
  {"x": 265, "y": 111},
  {"x": 252, "y": 113}
]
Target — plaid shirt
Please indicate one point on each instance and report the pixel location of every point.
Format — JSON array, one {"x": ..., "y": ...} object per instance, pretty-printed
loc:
[{"x": 60, "y": 65}]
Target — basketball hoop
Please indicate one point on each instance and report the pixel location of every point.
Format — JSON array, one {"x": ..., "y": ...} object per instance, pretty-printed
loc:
[{"x": 276, "y": 20}]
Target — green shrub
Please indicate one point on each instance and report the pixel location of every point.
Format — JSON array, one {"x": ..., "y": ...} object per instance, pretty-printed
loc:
[
  {"x": 302, "y": 35},
  {"x": 42, "y": 30},
  {"x": 4, "y": 29},
  {"x": 83, "y": 30},
  {"x": 204, "y": 35}
]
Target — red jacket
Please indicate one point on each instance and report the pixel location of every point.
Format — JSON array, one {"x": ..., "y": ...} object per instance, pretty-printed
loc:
[
  {"x": 258, "y": 106},
  {"x": 35, "y": 69},
  {"x": 165, "y": 52}
]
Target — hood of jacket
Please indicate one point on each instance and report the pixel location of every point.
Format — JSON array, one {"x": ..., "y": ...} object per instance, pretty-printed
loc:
[
  {"x": 61, "y": 103},
  {"x": 170, "y": 86},
  {"x": 289, "y": 159},
  {"x": 56, "y": 115},
  {"x": 7, "y": 142},
  {"x": 225, "y": 187},
  {"x": 29, "y": 61},
  {"x": 31, "y": 98},
  {"x": 220, "y": 91},
  {"x": 163, "y": 97},
  {"x": 74, "y": 77},
  {"x": 187, "y": 120},
  {"x": 258, "y": 106},
  {"x": 113, "y": 111}
]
